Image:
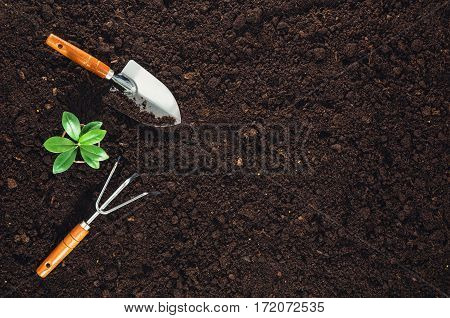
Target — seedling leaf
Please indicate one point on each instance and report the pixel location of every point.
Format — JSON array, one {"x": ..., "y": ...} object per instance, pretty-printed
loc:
[
  {"x": 71, "y": 125},
  {"x": 59, "y": 144},
  {"x": 93, "y": 153},
  {"x": 85, "y": 138},
  {"x": 91, "y": 126},
  {"x": 92, "y": 137},
  {"x": 91, "y": 163},
  {"x": 64, "y": 161}
]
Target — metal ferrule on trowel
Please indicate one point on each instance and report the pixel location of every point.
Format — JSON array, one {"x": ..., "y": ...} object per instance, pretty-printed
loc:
[
  {"x": 149, "y": 94},
  {"x": 124, "y": 84}
]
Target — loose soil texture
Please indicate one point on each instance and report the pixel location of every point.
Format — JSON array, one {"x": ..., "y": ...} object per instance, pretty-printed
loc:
[{"x": 369, "y": 217}]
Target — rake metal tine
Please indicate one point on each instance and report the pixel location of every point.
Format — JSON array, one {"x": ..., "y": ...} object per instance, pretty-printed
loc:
[
  {"x": 97, "y": 203},
  {"x": 118, "y": 190},
  {"x": 100, "y": 209},
  {"x": 125, "y": 203}
]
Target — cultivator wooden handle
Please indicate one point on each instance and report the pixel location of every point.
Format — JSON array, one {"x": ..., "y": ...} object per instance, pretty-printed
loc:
[
  {"x": 63, "y": 249},
  {"x": 79, "y": 56}
]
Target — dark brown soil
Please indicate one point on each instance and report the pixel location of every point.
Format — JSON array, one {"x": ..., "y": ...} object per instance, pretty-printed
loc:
[{"x": 370, "y": 218}]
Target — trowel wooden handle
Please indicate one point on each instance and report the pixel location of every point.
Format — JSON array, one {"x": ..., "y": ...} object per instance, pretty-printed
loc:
[
  {"x": 78, "y": 56},
  {"x": 62, "y": 250}
]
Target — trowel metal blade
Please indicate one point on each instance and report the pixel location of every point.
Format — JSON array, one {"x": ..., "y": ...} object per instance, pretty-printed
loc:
[{"x": 152, "y": 95}]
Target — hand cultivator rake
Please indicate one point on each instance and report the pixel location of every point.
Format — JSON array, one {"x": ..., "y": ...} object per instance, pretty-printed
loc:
[{"x": 81, "y": 230}]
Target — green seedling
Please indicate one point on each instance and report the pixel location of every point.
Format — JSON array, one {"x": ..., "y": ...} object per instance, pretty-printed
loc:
[{"x": 83, "y": 138}]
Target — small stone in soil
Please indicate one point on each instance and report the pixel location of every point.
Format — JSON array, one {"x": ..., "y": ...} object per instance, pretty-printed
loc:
[
  {"x": 239, "y": 22},
  {"x": 337, "y": 147},
  {"x": 221, "y": 219},
  {"x": 251, "y": 132},
  {"x": 318, "y": 54},
  {"x": 145, "y": 177},
  {"x": 106, "y": 293},
  {"x": 254, "y": 15},
  {"x": 117, "y": 42},
  {"x": 189, "y": 75},
  {"x": 21, "y": 75},
  {"x": 171, "y": 186},
  {"x": 282, "y": 26},
  {"x": 350, "y": 50},
  {"x": 177, "y": 70},
  {"x": 22, "y": 238},
  {"x": 397, "y": 71},
  {"x": 11, "y": 183}
]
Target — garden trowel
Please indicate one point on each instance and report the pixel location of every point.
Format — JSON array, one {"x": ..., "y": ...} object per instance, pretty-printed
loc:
[{"x": 149, "y": 94}]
